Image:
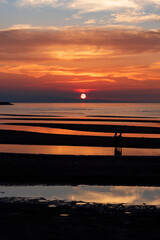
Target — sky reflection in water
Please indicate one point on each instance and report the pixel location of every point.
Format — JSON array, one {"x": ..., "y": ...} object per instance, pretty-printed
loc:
[
  {"x": 75, "y": 150},
  {"x": 98, "y": 194}
]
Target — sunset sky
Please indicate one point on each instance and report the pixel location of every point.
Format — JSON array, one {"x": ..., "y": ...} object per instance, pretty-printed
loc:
[{"x": 54, "y": 50}]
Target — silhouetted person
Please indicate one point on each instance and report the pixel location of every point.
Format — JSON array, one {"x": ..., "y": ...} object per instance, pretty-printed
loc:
[
  {"x": 118, "y": 144},
  {"x": 115, "y": 140},
  {"x": 115, "y": 151},
  {"x": 118, "y": 151},
  {"x": 120, "y": 140}
]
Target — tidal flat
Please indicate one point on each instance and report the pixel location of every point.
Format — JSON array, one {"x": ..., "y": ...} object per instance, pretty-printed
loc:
[{"x": 39, "y": 218}]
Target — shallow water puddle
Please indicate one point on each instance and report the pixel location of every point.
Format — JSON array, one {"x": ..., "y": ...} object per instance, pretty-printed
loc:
[
  {"x": 75, "y": 150},
  {"x": 85, "y": 193}
]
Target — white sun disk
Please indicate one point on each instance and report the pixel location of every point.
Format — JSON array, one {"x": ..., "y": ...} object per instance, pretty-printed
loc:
[{"x": 83, "y": 96}]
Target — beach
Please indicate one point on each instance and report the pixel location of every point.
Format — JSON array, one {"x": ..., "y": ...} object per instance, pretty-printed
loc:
[{"x": 132, "y": 161}]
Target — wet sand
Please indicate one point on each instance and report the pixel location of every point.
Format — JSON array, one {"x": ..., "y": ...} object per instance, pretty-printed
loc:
[
  {"x": 38, "y": 219},
  {"x": 31, "y": 138},
  {"x": 77, "y": 170},
  {"x": 93, "y": 128},
  {"x": 85, "y": 119}
]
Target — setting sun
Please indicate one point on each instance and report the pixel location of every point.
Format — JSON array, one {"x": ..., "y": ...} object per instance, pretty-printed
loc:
[{"x": 83, "y": 96}]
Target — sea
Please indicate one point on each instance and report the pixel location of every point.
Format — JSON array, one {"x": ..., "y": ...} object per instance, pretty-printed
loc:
[
  {"x": 84, "y": 109},
  {"x": 127, "y": 114}
]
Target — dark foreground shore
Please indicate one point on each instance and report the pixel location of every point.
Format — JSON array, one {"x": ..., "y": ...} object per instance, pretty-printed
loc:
[
  {"x": 74, "y": 170},
  {"x": 37, "y": 220}
]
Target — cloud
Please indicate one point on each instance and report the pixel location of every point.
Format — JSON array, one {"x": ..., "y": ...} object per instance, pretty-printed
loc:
[
  {"x": 134, "y": 17},
  {"x": 83, "y": 5},
  {"x": 48, "y": 87},
  {"x": 90, "y": 21},
  {"x": 157, "y": 2},
  {"x": 128, "y": 11},
  {"x": 112, "y": 61},
  {"x": 22, "y": 26},
  {"x": 95, "y": 6},
  {"x": 23, "y": 3},
  {"x": 90, "y": 5},
  {"x": 112, "y": 53},
  {"x": 79, "y": 41}
]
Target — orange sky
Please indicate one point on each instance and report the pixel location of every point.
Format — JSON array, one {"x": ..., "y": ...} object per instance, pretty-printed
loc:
[{"x": 45, "y": 64}]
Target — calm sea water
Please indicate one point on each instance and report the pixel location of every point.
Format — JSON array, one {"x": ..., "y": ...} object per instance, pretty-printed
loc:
[{"x": 85, "y": 109}]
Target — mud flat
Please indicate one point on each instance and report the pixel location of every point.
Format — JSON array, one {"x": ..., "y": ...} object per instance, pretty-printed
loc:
[
  {"x": 39, "y": 219},
  {"x": 76, "y": 170}
]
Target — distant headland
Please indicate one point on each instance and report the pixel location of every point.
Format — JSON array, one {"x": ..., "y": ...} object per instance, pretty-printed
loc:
[{"x": 6, "y": 103}]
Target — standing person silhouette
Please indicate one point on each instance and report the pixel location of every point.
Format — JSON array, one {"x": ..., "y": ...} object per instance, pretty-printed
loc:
[
  {"x": 118, "y": 144},
  {"x": 115, "y": 140},
  {"x": 120, "y": 140}
]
